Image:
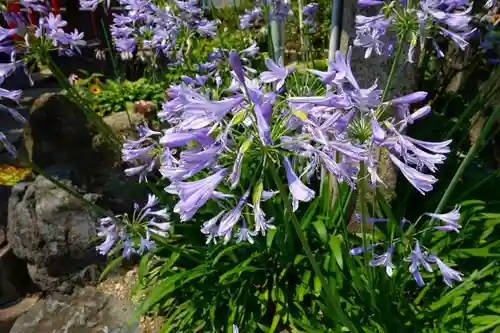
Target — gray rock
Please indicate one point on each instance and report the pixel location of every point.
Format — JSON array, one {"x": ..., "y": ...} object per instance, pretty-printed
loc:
[
  {"x": 118, "y": 193},
  {"x": 122, "y": 124},
  {"x": 86, "y": 311},
  {"x": 52, "y": 231},
  {"x": 72, "y": 141},
  {"x": 69, "y": 140}
]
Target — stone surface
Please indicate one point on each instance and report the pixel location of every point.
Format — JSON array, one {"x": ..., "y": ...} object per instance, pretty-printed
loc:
[
  {"x": 69, "y": 140},
  {"x": 122, "y": 125},
  {"x": 52, "y": 230},
  {"x": 86, "y": 311},
  {"x": 9, "y": 315},
  {"x": 118, "y": 193}
]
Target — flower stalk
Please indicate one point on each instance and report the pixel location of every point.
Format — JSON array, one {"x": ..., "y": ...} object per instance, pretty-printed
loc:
[{"x": 394, "y": 68}]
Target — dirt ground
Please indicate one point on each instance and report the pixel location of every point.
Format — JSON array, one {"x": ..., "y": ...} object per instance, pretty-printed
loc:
[{"x": 121, "y": 286}]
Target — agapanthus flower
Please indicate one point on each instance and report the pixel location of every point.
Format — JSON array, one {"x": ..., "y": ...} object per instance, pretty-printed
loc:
[
  {"x": 338, "y": 131},
  {"x": 261, "y": 224},
  {"x": 450, "y": 220},
  {"x": 310, "y": 10},
  {"x": 276, "y": 74},
  {"x": 384, "y": 260},
  {"x": 210, "y": 139},
  {"x": 244, "y": 234},
  {"x": 145, "y": 26},
  {"x": 356, "y": 251},
  {"x": 92, "y": 4},
  {"x": 449, "y": 19},
  {"x": 51, "y": 27},
  {"x": 370, "y": 219},
  {"x": 250, "y": 51},
  {"x": 250, "y": 18},
  {"x": 280, "y": 9},
  {"x": 299, "y": 191},
  {"x": 207, "y": 28},
  {"x": 142, "y": 154},
  {"x": 195, "y": 194},
  {"x": 133, "y": 233},
  {"x": 449, "y": 274},
  {"x": 417, "y": 259}
]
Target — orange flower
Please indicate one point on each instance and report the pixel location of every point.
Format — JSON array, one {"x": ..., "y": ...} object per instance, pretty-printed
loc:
[{"x": 95, "y": 89}]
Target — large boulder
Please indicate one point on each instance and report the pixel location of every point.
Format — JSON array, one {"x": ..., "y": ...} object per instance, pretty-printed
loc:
[
  {"x": 57, "y": 132},
  {"x": 60, "y": 133},
  {"x": 86, "y": 311},
  {"x": 52, "y": 230}
]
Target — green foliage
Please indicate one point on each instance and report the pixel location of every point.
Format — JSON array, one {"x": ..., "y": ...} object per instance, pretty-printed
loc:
[
  {"x": 116, "y": 96},
  {"x": 269, "y": 286}
]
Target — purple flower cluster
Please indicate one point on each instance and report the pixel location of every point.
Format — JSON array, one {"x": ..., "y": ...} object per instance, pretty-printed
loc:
[
  {"x": 51, "y": 28},
  {"x": 148, "y": 29},
  {"x": 418, "y": 258},
  {"x": 92, "y": 4},
  {"x": 280, "y": 9},
  {"x": 251, "y": 18},
  {"x": 277, "y": 9},
  {"x": 449, "y": 18},
  {"x": 24, "y": 41},
  {"x": 133, "y": 235},
  {"x": 208, "y": 141},
  {"x": 310, "y": 11},
  {"x": 353, "y": 123}
]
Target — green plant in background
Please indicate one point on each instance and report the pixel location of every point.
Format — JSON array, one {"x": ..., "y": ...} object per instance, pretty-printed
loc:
[{"x": 115, "y": 96}]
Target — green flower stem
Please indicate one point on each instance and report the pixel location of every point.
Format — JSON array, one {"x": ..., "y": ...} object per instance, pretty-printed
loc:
[
  {"x": 364, "y": 213},
  {"x": 343, "y": 211},
  {"x": 468, "y": 159},
  {"x": 324, "y": 284},
  {"x": 394, "y": 67},
  {"x": 110, "y": 49}
]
